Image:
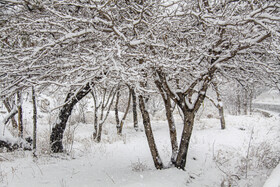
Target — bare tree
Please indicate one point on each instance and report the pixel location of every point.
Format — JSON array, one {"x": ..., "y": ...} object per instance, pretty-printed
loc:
[{"x": 72, "y": 98}]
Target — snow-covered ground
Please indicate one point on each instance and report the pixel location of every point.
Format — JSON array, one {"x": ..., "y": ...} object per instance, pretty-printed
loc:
[{"x": 242, "y": 155}]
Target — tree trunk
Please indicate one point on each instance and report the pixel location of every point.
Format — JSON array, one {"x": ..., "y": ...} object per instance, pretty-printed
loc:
[
  {"x": 20, "y": 124},
  {"x": 10, "y": 116},
  {"x": 134, "y": 109},
  {"x": 64, "y": 113},
  {"x": 102, "y": 117},
  {"x": 95, "y": 123},
  {"x": 222, "y": 117},
  {"x": 250, "y": 102},
  {"x": 96, "y": 108},
  {"x": 125, "y": 114},
  {"x": 185, "y": 139},
  {"x": 34, "y": 121},
  {"x": 9, "y": 109},
  {"x": 149, "y": 134},
  {"x": 117, "y": 111},
  {"x": 98, "y": 138},
  {"x": 238, "y": 105},
  {"x": 220, "y": 107},
  {"x": 246, "y": 102},
  {"x": 172, "y": 129}
]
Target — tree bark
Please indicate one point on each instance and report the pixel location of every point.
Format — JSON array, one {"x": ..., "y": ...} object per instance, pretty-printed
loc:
[
  {"x": 169, "y": 115},
  {"x": 220, "y": 107},
  {"x": 34, "y": 121},
  {"x": 96, "y": 108},
  {"x": 222, "y": 117},
  {"x": 125, "y": 114},
  {"x": 185, "y": 139},
  {"x": 64, "y": 113},
  {"x": 103, "y": 118},
  {"x": 98, "y": 138},
  {"x": 238, "y": 104},
  {"x": 117, "y": 111},
  {"x": 172, "y": 130},
  {"x": 149, "y": 134},
  {"x": 134, "y": 109},
  {"x": 245, "y": 102},
  {"x": 20, "y": 124}
]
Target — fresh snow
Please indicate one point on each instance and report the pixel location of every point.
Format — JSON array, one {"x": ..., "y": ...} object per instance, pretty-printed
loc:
[
  {"x": 215, "y": 156},
  {"x": 274, "y": 179}
]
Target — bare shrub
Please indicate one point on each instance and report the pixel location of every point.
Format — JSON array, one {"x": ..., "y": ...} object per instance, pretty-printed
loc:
[
  {"x": 262, "y": 156},
  {"x": 69, "y": 135},
  {"x": 138, "y": 166},
  {"x": 43, "y": 143}
]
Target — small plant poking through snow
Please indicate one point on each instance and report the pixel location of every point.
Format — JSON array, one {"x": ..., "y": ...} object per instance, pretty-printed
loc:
[
  {"x": 138, "y": 166},
  {"x": 261, "y": 156}
]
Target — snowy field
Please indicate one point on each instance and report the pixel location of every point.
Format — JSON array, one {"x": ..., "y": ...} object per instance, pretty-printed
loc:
[{"x": 242, "y": 155}]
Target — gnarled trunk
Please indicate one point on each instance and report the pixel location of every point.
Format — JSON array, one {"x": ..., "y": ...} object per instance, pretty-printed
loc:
[{"x": 64, "y": 113}]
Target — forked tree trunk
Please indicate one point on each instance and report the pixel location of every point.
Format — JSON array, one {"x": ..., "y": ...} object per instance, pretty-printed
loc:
[
  {"x": 20, "y": 124},
  {"x": 185, "y": 139},
  {"x": 34, "y": 121},
  {"x": 134, "y": 109},
  {"x": 64, "y": 113},
  {"x": 103, "y": 118},
  {"x": 189, "y": 108},
  {"x": 149, "y": 134},
  {"x": 170, "y": 120}
]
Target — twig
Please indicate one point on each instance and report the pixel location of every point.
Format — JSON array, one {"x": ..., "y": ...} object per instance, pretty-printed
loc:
[{"x": 110, "y": 177}]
